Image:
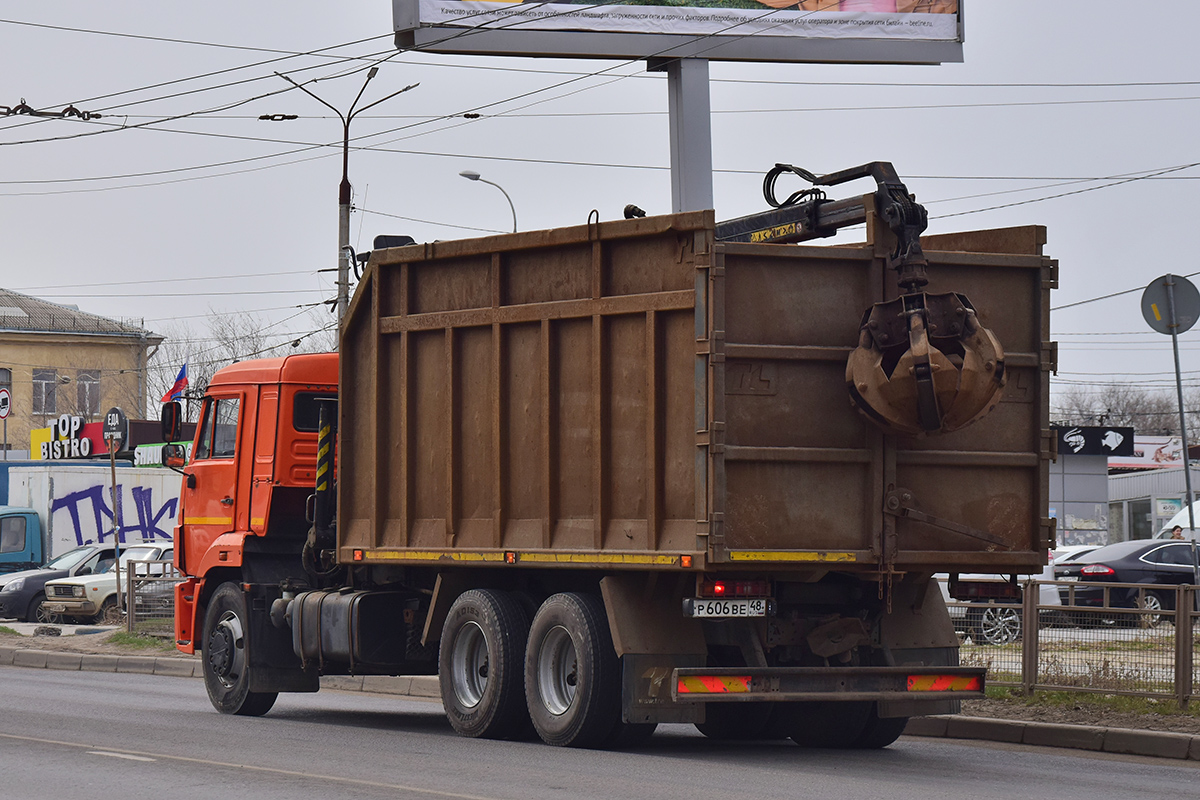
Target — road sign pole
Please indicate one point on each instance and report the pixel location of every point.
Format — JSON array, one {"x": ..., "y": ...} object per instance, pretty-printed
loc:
[{"x": 1187, "y": 467}]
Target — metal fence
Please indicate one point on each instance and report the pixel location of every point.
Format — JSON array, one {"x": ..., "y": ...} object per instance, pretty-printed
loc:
[
  {"x": 1143, "y": 644},
  {"x": 150, "y": 597}
]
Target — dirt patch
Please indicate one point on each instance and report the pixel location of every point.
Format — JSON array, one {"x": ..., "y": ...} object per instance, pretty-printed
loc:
[{"x": 99, "y": 643}]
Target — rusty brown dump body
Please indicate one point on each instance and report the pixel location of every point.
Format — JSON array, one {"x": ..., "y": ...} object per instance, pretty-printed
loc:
[{"x": 636, "y": 395}]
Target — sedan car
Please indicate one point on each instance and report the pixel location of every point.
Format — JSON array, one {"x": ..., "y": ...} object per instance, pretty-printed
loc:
[
  {"x": 992, "y": 622},
  {"x": 1144, "y": 561},
  {"x": 23, "y": 595},
  {"x": 95, "y": 596}
]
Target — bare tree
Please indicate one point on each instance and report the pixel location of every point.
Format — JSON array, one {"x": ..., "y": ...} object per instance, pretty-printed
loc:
[
  {"x": 1149, "y": 411},
  {"x": 225, "y": 339}
]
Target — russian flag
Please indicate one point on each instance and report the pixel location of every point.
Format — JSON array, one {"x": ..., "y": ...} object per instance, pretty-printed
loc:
[{"x": 176, "y": 391}]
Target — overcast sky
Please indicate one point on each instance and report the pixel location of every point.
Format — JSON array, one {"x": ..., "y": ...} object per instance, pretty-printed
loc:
[{"x": 180, "y": 202}]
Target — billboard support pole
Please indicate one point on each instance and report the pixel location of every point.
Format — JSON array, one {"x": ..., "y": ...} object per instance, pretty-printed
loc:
[{"x": 691, "y": 131}]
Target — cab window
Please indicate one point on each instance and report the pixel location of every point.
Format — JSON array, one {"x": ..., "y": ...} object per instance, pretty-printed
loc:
[
  {"x": 218, "y": 429},
  {"x": 12, "y": 534}
]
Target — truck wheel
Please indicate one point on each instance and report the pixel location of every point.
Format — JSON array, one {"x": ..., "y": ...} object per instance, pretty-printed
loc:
[
  {"x": 831, "y": 724},
  {"x": 225, "y": 658},
  {"x": 572, "y": 675},
  {"x": 738, "y": 721},
  {"x": 480, "y": 660},
  {"x": 992, "y": 625},
  {"x": 880, "y": 731}
]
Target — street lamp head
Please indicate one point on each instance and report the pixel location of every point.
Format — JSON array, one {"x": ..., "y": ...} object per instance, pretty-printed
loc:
[{"x": 470, "y": 174}]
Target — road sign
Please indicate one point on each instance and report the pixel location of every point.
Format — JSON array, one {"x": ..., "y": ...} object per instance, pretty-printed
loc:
[
  {"x": 1156, "y": 304},
  {"x": 116, "y": 429},
  {"x": 5, "y": 403}
]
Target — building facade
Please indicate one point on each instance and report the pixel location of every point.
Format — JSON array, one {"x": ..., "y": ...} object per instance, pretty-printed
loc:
[{"x": 56, "y": 360}]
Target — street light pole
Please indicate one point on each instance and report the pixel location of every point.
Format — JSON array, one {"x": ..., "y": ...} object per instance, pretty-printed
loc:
[
  {"x": 343, "y": 279},
  {"x": 472, "y": 175}
]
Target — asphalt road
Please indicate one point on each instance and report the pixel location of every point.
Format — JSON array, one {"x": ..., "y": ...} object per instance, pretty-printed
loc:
[{"x": 101, "y": 735}]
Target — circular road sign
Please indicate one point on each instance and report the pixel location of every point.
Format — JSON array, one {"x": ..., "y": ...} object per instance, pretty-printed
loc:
[
  {"x": 5, "y": 403},
  {"x": 1156, "y": 309},
  {"x": 116, "y": 428}
]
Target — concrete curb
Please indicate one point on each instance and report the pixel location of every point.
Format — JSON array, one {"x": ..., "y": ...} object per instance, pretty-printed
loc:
[{"x": 1158, "y": 744}]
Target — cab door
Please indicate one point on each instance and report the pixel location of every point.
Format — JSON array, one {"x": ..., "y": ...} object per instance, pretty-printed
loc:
[{"x": 210, "y": 492}]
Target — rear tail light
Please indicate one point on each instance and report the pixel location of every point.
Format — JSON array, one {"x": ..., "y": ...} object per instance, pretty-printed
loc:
[
  {"x": 1097, "y": 570},
  {"x": 734, "y": 588}
]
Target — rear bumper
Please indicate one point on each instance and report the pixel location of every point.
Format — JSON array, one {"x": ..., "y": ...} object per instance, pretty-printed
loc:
[{"x": 919, "y": 684}]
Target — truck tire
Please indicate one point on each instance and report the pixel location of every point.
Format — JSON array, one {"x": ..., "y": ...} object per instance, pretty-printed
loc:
[
  {"x": 39, "y": 614},
  {"x": 572, "y": 675},
  {"x": 880, "y": 731},
  {"x": 739, "y": 722},
  {"x": 480, "y": 665},
  {"x": 831, "y": 724},
  {"x": 225, "y": 661}
]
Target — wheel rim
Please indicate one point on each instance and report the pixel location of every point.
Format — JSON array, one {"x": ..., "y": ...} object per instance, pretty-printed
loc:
[
  {"x": 44, "y": 617},
  {"x": 469, "y": 670},
  {"x": 1000, "y": 625},
  {"x": 1151, "y": 602},
  {"x": 558, "y": 670},
  {"x": 227, "y": 650}
]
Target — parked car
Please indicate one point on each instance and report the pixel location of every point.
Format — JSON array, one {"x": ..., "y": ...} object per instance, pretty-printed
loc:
[
  {"x": 989, "y": 622},
  {"x": 23, "y": 596},
  {"x": 95, "y": 596},
  {"x": 1143, "y": 561}
]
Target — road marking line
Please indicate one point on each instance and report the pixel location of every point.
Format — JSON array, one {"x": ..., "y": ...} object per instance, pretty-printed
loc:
[
  {"x": 335, "y": 779},
  {"x": 119, "y": 755}
]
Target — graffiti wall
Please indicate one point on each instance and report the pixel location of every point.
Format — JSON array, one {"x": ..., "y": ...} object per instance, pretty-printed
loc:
[{"x": 76, "y": 503}]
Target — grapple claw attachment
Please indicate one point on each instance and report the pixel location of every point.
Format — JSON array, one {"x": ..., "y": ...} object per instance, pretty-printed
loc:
[{"x": 924, "y": 365}]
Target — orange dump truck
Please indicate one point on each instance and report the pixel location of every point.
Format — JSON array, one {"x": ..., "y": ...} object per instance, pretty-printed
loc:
[{"x": 633, "y": 472}]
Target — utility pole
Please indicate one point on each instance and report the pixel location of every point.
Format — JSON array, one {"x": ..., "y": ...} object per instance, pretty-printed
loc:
[{"x": 344, "y": 192}]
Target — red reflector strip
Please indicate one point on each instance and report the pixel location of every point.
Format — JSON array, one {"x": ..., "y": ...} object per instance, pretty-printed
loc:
[
  {"x": 944, "y": 683},
  {"x": 713, "y": 684}
]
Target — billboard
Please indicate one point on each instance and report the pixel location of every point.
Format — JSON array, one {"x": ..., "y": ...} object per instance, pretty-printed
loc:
[
  {"x": 822, "y": 31},
  {"x": 1150, "y": 452}
]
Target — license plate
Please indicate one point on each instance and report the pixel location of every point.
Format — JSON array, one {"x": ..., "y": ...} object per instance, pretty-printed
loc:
[
  {"x": 702, "y": 607},
  {"x": 54, "y": 608}
]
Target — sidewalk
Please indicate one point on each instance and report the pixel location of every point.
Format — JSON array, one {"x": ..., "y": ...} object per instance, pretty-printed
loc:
[{"x": 1041, "y": 734}]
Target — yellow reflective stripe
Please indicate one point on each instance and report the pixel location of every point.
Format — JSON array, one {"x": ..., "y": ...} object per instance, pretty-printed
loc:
[
  {"x": 208, "y": 520},
  {"x": 429, "y": 555},
  {"x": 598, "y": 558},
  {"x": 521, "y": 557},
  {"x": 789, "y": 555},
  {"x": 258, "y": 520}
]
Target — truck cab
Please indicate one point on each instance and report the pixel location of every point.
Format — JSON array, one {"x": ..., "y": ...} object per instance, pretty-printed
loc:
[
  {"x": 20, "y": 539},
  {"x": 251, "y": 471}
]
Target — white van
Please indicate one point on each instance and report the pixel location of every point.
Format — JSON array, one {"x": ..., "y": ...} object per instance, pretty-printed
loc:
[{"x": 1181, "y": 519}]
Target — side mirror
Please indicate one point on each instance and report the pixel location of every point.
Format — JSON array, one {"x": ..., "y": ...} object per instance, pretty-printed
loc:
[
  {"x": 84, "y": 571},
  {"x": 174, "y": 455},
  {"x": 171, "y": 422}
]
